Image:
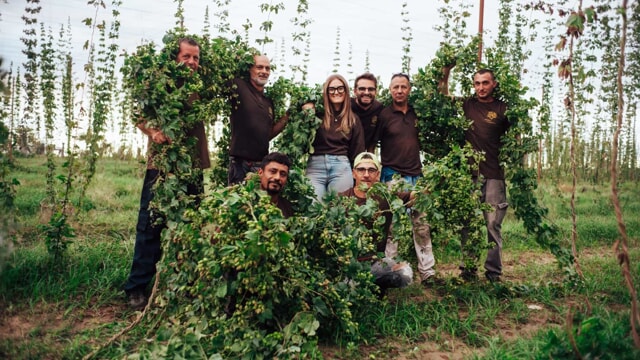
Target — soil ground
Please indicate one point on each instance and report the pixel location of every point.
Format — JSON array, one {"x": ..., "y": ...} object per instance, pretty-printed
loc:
[{"x": 41, "y": 320}]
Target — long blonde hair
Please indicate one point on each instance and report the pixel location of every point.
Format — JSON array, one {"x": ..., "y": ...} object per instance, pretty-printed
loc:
[{"x": 346, "y": 116}]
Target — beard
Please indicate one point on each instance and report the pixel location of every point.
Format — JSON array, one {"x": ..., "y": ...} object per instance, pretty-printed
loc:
[
  {"x": 364, "y": 98},
  {"x": 274, "y": 188},
  {"x": 260, "y": 81}
]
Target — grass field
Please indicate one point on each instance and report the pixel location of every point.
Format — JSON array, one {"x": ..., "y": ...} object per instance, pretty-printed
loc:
[{"x": 62, "y": 310}]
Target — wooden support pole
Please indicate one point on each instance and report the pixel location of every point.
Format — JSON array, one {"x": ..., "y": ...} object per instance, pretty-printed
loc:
[{"x": 480, "y": 30}]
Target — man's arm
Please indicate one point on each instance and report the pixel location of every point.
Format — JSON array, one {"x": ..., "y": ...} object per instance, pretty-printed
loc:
[
  {"x": 279, "y": 126},
  {"x": 157, "y": 136},
  {"x": 443, "y": 84}
]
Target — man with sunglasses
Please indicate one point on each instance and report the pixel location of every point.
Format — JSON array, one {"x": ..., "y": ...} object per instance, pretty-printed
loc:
[
  {"x": 400, "y": 153},
  {"x": 365, "y": 105},
  {"x": 252, "y": 121},
  {"x": 388, "y": 274}
]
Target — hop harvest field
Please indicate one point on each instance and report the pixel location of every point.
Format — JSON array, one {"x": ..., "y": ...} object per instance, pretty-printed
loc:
[{"x": 65, "y": 309}]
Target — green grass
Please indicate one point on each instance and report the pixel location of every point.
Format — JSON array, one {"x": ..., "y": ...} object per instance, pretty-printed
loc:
[{"x": 64, "y": 309}]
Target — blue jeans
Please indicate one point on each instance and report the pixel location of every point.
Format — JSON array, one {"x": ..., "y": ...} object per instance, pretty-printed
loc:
[
  {"x": 387, "y": 175},
  {"x": 329, "y": 173}
]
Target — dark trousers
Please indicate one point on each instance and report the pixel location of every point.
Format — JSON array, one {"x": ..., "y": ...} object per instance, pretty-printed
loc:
[
  {"x": 148, "y": 247},
  {"x": 238, "y": 169}
]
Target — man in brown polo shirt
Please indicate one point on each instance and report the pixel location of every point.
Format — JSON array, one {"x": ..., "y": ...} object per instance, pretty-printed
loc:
[
  {"x": 365, "y": 105},
  {"x": 252, "y": 121},
  {"x": 274, "y": 173},
  {"x": 489, "y": 124},
  {"x": 400, "y": 153}
]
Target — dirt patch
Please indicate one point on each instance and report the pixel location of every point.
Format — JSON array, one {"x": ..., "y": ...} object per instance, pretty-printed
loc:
[
  {"x": 48, "y": 322},
  {"x": 539, "y": 317},
  {"x": 42, "y": 318},
  {"x": 565, "y": 188},
  {"x": 15, "y": 327},
  {"x": 91, "y": 318},
  {"x": 447, "y": 349}
]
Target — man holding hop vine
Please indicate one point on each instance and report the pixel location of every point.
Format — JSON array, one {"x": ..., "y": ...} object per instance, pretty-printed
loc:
[
  {"x": 252, "y": 121},
  {"x": 400, "y": 154},
  {"x": 148, "y": 250},
  {"x": 489, "y": 124}
]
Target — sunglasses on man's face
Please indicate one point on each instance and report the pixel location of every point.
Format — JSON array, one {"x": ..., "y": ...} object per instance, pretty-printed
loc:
[
  {"x": 363, "y": 170},
  {"x": 369, "y": 89}
]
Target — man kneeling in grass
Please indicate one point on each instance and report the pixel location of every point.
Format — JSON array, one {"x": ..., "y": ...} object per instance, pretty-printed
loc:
[{"x": 388, "y": 273}]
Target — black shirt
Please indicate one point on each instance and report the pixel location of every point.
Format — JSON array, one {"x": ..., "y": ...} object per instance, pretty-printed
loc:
[
  {"x": 369, "y": 120},
  {"x": 252, "y": 121}
]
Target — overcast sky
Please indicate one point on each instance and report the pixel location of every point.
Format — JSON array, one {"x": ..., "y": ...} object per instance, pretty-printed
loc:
[
  {"x": 365, "y": 25},
  {"x": 368, "y": 25}
]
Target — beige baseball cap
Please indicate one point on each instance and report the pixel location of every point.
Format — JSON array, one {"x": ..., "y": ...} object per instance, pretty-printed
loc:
[{"x": 367, "y": 156}]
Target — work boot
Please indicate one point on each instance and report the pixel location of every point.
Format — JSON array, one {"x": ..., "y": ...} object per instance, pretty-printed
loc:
[
  {"x": 137, "y": 300},
  {"x": 469, "y": 276}
]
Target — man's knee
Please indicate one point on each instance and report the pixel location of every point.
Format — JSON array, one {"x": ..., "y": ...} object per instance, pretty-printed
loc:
[
  {"x": 421, "y": 229},
  {"x": 494, "y": 219}
]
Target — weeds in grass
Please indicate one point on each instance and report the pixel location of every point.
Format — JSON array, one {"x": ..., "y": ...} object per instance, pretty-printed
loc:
[
  {"x": 91, "y": 269},
  {"x": 57, "y": 234},
  {"x": 602, "y": 336},
  {"x": 450, "y": 317}
]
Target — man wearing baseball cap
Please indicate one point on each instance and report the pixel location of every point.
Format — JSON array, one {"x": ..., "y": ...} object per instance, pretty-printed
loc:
[{"x": 366, "y": 172}]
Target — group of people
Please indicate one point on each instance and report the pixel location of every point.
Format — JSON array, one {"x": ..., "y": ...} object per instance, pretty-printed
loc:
[{"x": 343, "y": 160}]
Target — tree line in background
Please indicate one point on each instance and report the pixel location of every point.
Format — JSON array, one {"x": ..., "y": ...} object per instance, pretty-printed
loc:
[{"x": 45, "y": 92}]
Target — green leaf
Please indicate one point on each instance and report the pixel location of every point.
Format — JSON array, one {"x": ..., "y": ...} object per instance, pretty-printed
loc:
[
  {"x": 221, "y": 290},
  {"x": 320, "y": 306}
]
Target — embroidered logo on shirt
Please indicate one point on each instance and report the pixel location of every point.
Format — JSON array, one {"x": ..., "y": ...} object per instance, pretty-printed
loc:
[
  {"x": 491, "y": 117},
  {"x": 374, "y": 120}
]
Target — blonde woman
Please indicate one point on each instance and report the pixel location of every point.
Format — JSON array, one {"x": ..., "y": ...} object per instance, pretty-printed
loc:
[{"x": 338, "y": 140}]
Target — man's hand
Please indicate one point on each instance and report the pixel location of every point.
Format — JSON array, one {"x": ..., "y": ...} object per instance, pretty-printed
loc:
[{"x": 159, "y": 137}]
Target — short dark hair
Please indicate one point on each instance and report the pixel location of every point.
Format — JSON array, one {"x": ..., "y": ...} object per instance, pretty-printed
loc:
[
  {"x": 484, "y": 71},
  {"x": 366, "y": 76},
  {"x": 277, "y": 157},
  {"x": 175, "y": 51},
  {"x": 188, "y": 40},
  {"x": 401, "y": 75}
]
